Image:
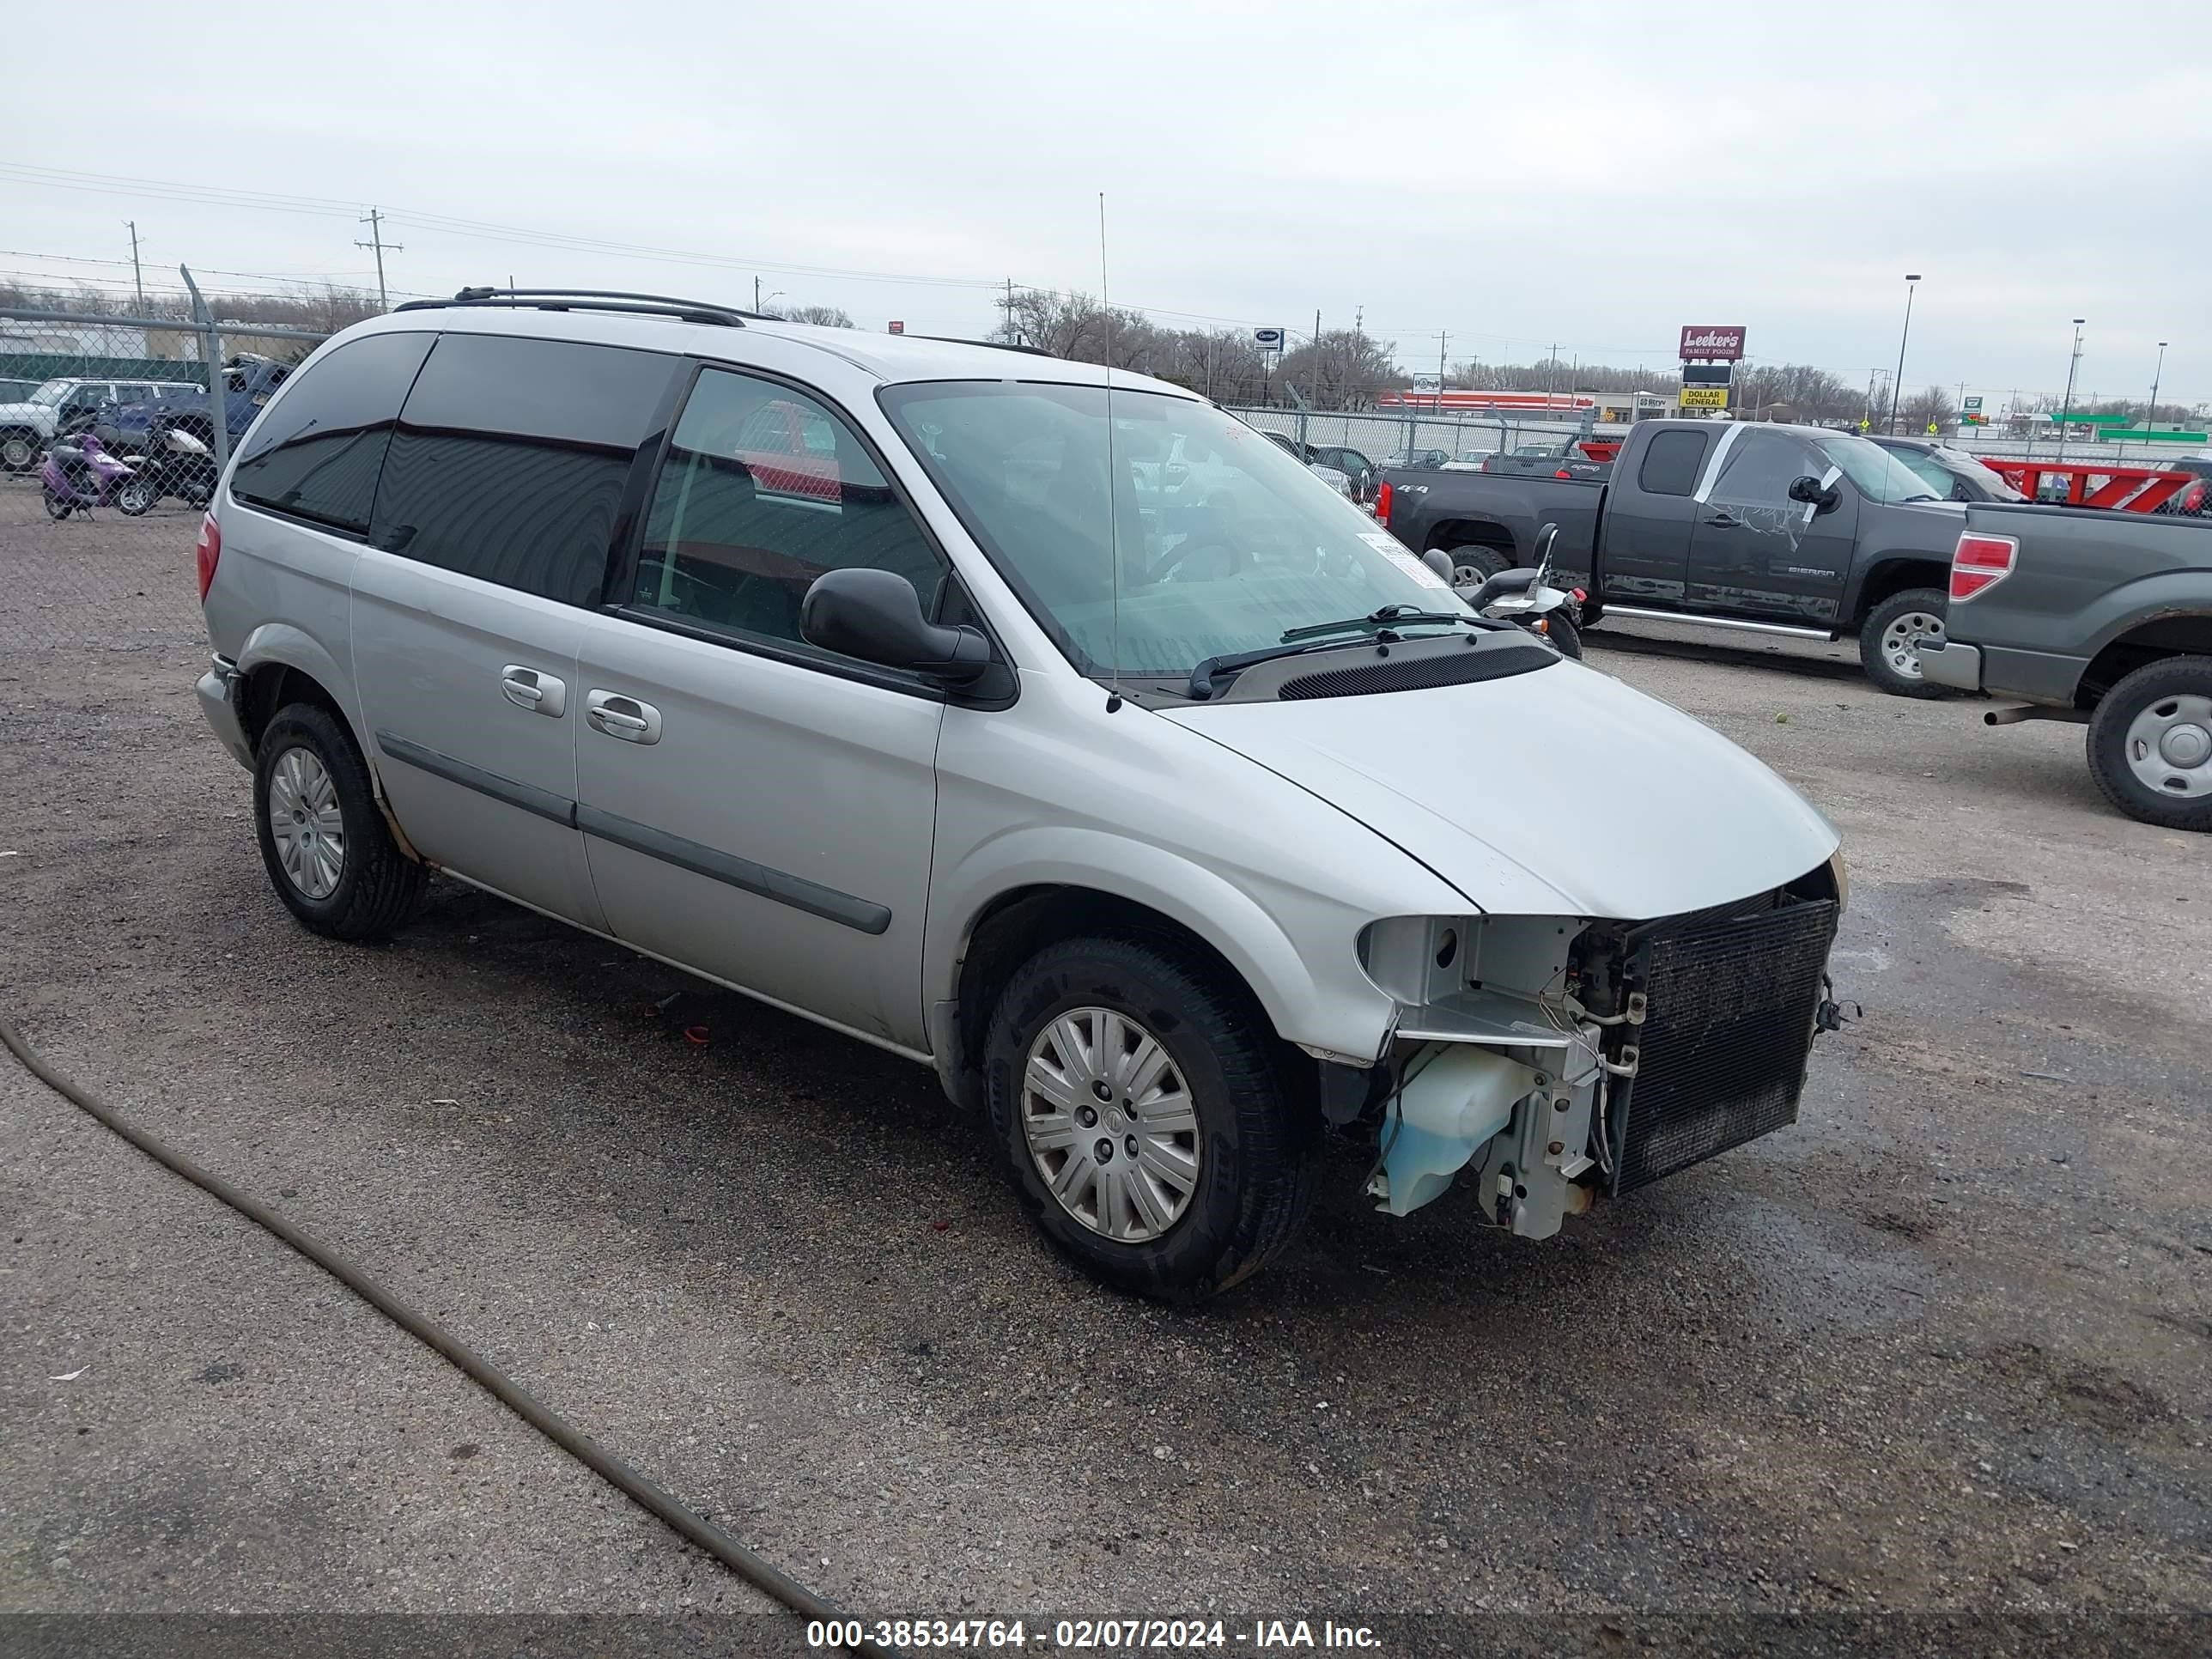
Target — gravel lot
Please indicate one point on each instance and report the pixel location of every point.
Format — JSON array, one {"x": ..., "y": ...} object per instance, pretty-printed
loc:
[{"x": 1944, "y": 1345}]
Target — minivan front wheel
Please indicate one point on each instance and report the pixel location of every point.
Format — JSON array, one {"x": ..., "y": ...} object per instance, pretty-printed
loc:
[
  {"x": 328, "y": 851},
  {"x": 1137, "y": 1102}
]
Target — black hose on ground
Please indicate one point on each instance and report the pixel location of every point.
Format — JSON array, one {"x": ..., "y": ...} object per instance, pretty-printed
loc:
[{"x": 646, "y": 1493}]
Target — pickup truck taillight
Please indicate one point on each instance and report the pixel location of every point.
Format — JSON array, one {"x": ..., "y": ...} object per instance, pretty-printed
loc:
[
  {"x": 1382, "y": 504},
  {"x": 1980, "y": 562},
  {"x": 207, "y": 551}
]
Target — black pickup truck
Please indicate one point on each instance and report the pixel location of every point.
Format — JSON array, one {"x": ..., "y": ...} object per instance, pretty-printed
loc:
[
  {"x": 1787, "y": 530},
  {"x": 2086, "y": 616}
]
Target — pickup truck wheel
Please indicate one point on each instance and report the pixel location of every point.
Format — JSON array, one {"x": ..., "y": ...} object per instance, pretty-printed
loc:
[
  {"x": 1476, "y": 564},
  {"x": 1136, "y": 1099},
  {"x": 1892, "y": 631},
  {"x": 19, "y": 450},
  {"x": 329, "y": 854},
  {"x": 2150, "y": 744}
]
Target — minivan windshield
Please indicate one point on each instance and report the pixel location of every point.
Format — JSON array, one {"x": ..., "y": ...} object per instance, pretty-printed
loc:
[
  {"x": 1224, "y": 542},
  {"x": 1878, "y": 475}
]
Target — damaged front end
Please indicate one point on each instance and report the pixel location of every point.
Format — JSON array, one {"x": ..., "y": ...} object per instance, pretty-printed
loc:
[{"x": 1558, "y": 1058}]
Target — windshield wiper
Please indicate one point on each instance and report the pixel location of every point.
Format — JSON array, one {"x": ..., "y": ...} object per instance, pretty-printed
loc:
[
  {"x": 1201, "y": 678},
  {"x": 1298, "y": 641},
  {"x": 1390, "y": 615}
]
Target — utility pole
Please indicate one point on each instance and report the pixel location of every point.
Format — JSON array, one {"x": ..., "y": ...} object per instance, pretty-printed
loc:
[
  {"x": 1959, "y": 412},
  {"x": 756, "y": 294},
  {"x": 139, "y": 276},
  {"x": 1013, "y": 334},
  {"x": 374, "y": 221},
  {"x": 2073, "y": 364},
  {"x": 2150, "y": 420},
  {"x": 1441, "y": 338}
]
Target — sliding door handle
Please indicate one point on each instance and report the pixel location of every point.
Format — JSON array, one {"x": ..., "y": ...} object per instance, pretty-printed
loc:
[
  {"x": 625, "y": 718},
  {"x": 526, "y": 687}
]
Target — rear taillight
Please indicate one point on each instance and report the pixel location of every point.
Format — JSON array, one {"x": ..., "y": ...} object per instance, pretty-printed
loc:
[
  {"x": 207, "y": 551},
  {"x": 1383, "y": 503},
  {"x": 1563, "y": 473},
  {"x": 1981, "y": 562}
]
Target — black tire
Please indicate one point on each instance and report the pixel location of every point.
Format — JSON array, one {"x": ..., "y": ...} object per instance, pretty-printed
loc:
[
  {"x": 136, "y": 498},
  {"x": 57, "y": 509},
  {"x": 1561, "y": 632},
  {"x": 1258, "y": 1155},
  {"x": 19, "y": 450},
  {"x": 378, "y": 885},
  {"x": 1473, "y": 562},
  {"x": 2147, "y": 688},
  {"x": 1909, "y": 682}
]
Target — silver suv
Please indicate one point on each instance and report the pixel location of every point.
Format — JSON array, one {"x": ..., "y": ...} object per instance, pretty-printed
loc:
[{"x": 1176, "y": 815}]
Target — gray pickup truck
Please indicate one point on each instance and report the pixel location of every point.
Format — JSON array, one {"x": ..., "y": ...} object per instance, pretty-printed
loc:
[
  {"x": 2101, "y": 617},
  {"x": 1787, "y": 530}
]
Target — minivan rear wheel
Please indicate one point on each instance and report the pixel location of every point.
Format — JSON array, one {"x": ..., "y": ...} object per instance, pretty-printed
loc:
[
  {"x": 1137, "y": 1100},
  {"x": 328, "y": 851}
]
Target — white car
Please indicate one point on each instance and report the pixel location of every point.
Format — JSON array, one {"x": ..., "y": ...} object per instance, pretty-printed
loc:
[
  {"x": 873, "y": 676},
  {"x": 61, "y": 407}
]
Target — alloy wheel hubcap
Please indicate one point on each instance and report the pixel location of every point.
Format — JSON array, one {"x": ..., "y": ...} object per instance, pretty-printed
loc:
[
  {"x": 1900, "y": 641},
  {"x": 1110, "y": 1124},
  {"x": 2169, "y": 746},
  {"x": 306, "y": 824}
]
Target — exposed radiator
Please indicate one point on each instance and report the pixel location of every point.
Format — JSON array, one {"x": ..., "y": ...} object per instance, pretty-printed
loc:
[{"x": 1731, "y": 995}]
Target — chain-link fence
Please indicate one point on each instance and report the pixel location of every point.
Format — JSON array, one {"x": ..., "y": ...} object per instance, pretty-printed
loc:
[
  {"x": 1384, "y": 437},
  {"x": 100, "y": 412}
]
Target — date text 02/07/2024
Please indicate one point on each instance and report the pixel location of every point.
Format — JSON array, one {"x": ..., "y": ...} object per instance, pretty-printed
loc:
[{"x": 1087, "y": 1634}]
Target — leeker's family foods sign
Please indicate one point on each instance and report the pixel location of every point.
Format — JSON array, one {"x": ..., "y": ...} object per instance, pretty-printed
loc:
[{"x": 1714, "y": 345}]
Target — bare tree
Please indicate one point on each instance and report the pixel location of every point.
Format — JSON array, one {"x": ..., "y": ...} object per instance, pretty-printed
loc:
[
  {"x": 1934, "y": 408},
  {"x": 820, "y": 316},
  {"x": 1344, "y": 370}
]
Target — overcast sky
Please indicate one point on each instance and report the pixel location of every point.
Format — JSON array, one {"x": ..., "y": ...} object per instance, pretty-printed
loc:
[{"x": 1514, "y": 175}]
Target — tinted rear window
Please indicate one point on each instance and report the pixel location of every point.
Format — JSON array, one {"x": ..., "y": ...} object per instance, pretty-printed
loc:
[
  {"x": 510, "y": 459},
  {"x": 317, "y": 452},
  {"x": 1671, "y": 461}
]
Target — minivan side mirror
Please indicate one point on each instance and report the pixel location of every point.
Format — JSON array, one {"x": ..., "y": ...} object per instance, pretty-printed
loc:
[
  {"x": 875, "y": 615},
  {"x": 1811, "y": 492}
]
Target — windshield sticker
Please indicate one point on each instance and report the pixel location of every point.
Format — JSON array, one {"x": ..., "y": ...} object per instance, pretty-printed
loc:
[{"x": 1394, "y": 550}]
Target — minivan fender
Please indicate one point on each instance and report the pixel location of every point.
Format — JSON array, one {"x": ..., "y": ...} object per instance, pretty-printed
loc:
[
  {"x": 1327, "y": 1005},
  {"x": 282, "y": 645}
]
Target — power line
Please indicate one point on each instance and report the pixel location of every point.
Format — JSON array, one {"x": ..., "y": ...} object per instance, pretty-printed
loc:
[{"x": 447, "y": 224}]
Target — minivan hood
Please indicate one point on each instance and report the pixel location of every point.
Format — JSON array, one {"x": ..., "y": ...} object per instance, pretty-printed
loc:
[{"x": 1557, "y": 793}]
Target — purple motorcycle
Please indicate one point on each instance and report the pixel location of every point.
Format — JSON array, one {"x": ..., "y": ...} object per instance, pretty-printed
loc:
[{"x": 80, "y": 475}]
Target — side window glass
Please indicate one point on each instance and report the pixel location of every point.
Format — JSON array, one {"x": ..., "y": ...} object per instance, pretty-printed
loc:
[
  {"x": 1759, "y": 472},
  {"x": 1672, "y": 461},
  {"x": 764, "y": 489},
  {"x": 510, "y": 459},
  {"x": 318, "y": 454}
]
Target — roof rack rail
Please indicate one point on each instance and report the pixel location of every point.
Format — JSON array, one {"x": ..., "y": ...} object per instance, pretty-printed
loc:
[
  {"x": 995, "y": 345},
  {"x": 596, "y": 299}
]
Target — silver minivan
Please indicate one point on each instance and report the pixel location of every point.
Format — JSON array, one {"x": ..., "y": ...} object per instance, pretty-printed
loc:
[{"x": 1173, "y": 812}]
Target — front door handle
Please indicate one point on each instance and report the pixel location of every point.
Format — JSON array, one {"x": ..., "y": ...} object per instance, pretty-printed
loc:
[
  {"x": 526, "y": 687},
  {"x": 623, "y": 717},
  {"x": 1725, "y": 521}
]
